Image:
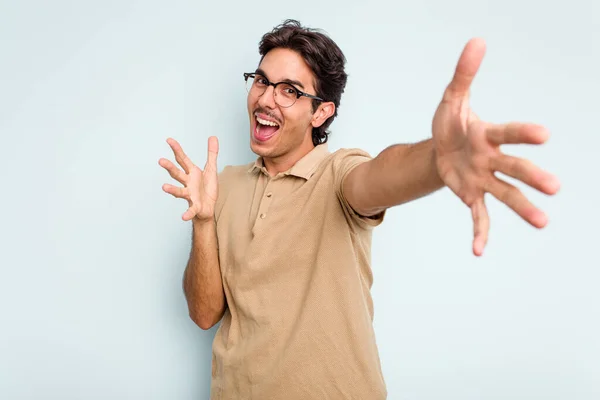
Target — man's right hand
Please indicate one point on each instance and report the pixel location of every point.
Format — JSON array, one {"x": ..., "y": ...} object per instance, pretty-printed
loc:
[{"x": 200, "y": 188}]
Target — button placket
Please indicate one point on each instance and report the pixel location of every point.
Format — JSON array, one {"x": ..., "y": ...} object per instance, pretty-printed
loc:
[{"x": 265, "y": 203}]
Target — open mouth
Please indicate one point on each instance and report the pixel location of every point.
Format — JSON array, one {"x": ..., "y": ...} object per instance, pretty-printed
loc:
[{"x": 264, "y": 129}]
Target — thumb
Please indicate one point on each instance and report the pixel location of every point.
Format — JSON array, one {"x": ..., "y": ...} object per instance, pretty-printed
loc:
[
  {"x": 466, "y": 69},
  {"x": 213, "y": 152}
]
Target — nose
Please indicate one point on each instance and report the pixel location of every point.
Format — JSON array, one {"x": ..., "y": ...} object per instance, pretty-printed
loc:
[{"x": 267, "y": 99}]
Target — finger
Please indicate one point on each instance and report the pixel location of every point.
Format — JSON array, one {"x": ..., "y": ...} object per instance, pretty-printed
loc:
[
  {"x": 178, "y": 192},
  {"x": 213, "y": 152},
  {"x": 466, "y": 69},
  {"x": 513, "y": 198},
  {"x": 525, "y": 171},
  {"x": 473, "y": 117},
  {"x": 481, "y": 226},
  {"x": 516, "y": 133},
  {"x": 180, "y": 156},
  {"x": 175, "y": 172},
  {"x": 189, "y": 214}
]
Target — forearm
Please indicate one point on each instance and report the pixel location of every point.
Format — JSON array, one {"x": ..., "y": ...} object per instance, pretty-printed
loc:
[
  {"x": 202, "y": 282},
  {"x": 399, "y": 174}
]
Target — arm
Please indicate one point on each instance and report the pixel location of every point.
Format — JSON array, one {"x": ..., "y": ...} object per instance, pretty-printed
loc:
[
  {"x": 399, "y": 174},
  {"x": 202, "y": 282},
  {"x": 464, "y": 154}
]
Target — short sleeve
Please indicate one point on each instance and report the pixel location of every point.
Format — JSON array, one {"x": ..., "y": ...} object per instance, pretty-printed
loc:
[{"x": 345, "y": 160}]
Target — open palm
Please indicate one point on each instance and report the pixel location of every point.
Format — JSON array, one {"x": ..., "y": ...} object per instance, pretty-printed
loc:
[
  {"x": 468, "y": 152},
  {"x": 200, "y": 187}
]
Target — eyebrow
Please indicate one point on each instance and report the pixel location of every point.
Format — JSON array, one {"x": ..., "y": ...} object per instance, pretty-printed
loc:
[{"x": 290, "y": 81}]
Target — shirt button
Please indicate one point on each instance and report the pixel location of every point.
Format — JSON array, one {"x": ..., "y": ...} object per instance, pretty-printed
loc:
[
  {"x": 269, "y": 194},
  {"x": 262, "y": 216}
]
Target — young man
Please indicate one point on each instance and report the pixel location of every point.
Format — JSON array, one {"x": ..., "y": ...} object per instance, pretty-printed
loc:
[{"x": 281, "y": 247}]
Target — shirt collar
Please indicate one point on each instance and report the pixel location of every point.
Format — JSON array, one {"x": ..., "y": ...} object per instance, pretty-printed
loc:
[{"x": 304, "y": 168}]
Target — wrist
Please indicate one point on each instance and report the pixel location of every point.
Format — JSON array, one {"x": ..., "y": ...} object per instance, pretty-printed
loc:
[
  {"x": 200, "y": 223},
  {"x": 434, "y": 165}
]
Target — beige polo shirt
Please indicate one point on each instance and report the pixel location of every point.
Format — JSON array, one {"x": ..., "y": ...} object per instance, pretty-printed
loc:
[{"x": 295, "y": 261}]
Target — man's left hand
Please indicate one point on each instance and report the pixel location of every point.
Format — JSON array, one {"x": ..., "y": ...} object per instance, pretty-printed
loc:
[{"x": 468, "y": 153}]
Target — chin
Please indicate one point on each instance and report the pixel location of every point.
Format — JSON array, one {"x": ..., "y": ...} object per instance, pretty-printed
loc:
[{"x": 263, "y": 149}]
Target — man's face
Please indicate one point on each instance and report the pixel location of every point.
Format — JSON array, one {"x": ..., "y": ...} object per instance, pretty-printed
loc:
[{"x": 294, "y": 123}]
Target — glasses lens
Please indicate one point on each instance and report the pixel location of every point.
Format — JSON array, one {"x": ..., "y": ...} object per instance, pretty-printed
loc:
[
  {"x": 286, "y": 95},
  {"x": 249, "y": 83}
]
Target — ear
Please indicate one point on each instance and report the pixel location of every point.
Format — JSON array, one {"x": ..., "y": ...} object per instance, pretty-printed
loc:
[{"x": 324, "y": 111}]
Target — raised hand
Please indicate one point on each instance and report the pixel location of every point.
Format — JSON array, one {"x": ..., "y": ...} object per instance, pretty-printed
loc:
[
  {"x": 468, "y": 153},
  {"x": 200, "y": 188}
]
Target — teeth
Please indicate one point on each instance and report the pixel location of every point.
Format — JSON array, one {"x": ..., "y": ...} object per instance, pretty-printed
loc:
[{"x": 265, "y": 122}]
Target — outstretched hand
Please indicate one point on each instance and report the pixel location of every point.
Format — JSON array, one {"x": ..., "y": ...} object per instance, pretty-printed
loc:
[
  {"x": 200, "y": 187},
  {"x": 468, "y": 153}
]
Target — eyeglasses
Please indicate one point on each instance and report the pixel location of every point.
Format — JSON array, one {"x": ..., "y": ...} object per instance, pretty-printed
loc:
[{"x": 285, "y": 93}]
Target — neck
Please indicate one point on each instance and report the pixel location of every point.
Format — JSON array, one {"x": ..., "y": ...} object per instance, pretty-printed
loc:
[{"x": 275, "y": 165}]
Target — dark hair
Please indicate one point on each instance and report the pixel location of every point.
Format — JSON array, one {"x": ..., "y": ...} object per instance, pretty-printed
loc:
[{"x": 322, "y": 55}]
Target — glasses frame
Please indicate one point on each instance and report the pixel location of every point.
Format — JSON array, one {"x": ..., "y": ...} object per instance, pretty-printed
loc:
[{"x": 299, "y": 93}]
